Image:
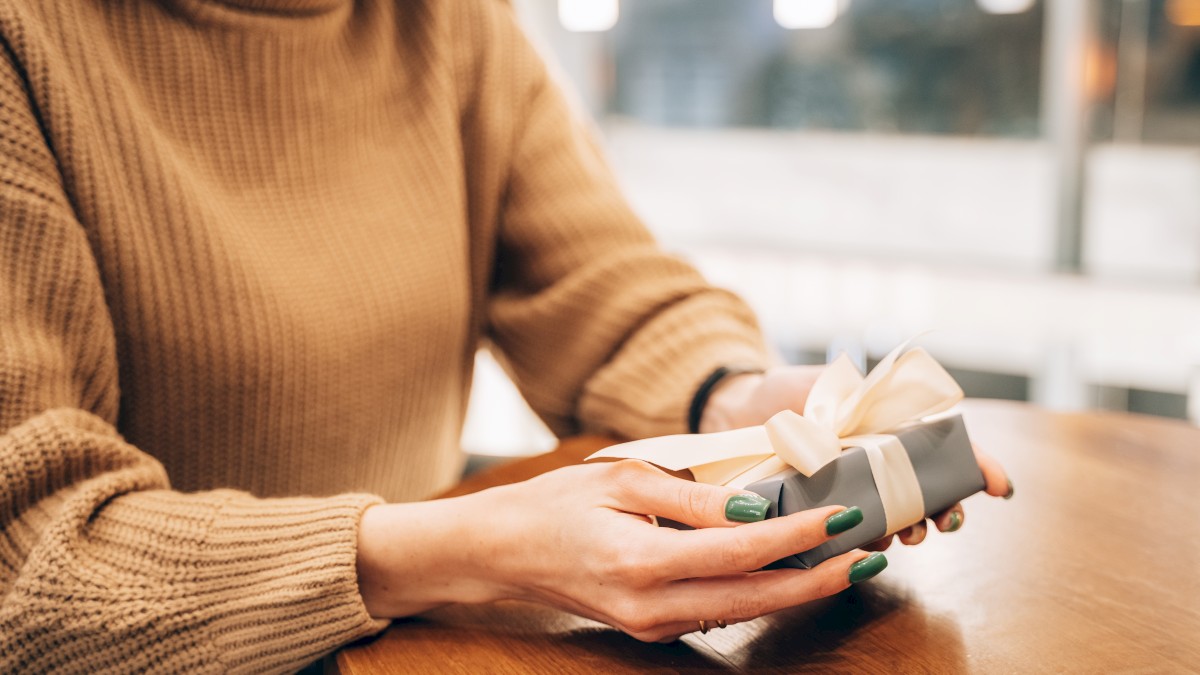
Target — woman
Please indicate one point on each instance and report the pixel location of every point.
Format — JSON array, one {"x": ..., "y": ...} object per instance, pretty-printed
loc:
[{"x": 252, "y": 245}]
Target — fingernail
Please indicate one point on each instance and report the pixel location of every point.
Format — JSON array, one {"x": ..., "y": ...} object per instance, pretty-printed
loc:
[
  {"x": 1009, "y": 494},
  {"x": 746, "y": 508},
  {"x": 867, "y": 567},
  {"x": 955, "y": 521},
  {"x": 843, "y": 520}
]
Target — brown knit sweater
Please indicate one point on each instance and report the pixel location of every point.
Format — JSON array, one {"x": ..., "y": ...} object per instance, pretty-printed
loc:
[{"x": 247, "y": 251}]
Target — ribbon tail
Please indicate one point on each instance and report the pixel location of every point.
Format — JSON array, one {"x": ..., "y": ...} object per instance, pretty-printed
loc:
[
  {"x": 685, "y": 451},
  {"x": 740, "y": 472},
  {"x": 764, "y": 469}
]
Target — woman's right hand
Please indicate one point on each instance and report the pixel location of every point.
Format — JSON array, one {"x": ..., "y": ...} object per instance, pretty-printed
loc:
[{"x": 578, "y": 539}]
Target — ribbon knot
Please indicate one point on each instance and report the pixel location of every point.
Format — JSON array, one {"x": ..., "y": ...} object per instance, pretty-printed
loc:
[{"x": 844, "y": 410}]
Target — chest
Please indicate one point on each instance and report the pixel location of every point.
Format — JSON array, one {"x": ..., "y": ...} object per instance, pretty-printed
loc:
[{"x": 261, "y": 229}]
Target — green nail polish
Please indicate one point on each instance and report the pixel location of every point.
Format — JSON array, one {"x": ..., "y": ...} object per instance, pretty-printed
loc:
[
  {"x": 843, "y": 520},
  {"x": 746, "y": 508},
  {"x": 867, "y": 567},
  {"x": 1009, "y": 494},
  {"x": 955, "y": 521}
]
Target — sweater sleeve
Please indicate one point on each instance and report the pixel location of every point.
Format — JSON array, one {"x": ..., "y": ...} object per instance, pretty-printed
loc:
[
  {"x": 102, "y": 567},
  {"x": 602, "y": 329}
]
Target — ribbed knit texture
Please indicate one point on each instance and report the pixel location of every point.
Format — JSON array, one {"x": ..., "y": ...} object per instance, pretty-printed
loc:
[{"x": 247, "y": 252}]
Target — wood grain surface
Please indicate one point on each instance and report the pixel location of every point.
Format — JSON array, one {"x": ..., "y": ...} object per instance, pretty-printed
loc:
[{"x": 1092, "y": 567}]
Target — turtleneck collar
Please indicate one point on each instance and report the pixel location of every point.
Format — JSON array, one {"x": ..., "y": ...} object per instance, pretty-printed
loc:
[
  {"x": 269, "y": 15},
  {"x": 300, "y": 7}
]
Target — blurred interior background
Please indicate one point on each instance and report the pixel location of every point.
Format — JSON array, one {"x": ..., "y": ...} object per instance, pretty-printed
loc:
[{"x": 1021, "y": 177}]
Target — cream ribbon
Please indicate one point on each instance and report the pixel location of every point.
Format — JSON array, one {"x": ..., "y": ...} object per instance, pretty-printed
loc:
[{"x": 844, "y": 410}]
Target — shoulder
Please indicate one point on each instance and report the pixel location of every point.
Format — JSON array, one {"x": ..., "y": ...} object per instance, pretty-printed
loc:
[
  {"x": 26, "y": 162},
  {"x": 491, "y": 36},
  {"x": 490, "y": 52}
]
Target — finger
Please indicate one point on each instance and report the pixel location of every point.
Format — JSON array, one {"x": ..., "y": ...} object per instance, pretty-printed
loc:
[
  {"x": 634, "y": 622},
  {"x": 951, "y": 519},
  {"x": 911, "y": 536},
  {"x": 747, "y": 596},
  {"x": 673, "y": 631},
  {"x": 641, "y": 488},
  {"x": 722, "y": 551},
  {"x": 995, "y": 479},
  {"x": 879, "y": 545}
]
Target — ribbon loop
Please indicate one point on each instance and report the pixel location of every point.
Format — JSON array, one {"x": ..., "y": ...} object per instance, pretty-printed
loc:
[
  {"x": 837, "y": 384},
  {"x": 802, "y": 443},
  {"x": 903, "y": 388}
]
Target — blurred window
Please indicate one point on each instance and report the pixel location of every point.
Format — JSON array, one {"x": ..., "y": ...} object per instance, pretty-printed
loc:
[
  {"x": 908, "y": 66},
  {"x": 864, "y": 170},
  {"x": 1149, "y": 57}
]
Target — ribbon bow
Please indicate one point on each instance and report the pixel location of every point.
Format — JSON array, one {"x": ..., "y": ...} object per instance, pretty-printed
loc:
[{"x": 844, "y": 410}]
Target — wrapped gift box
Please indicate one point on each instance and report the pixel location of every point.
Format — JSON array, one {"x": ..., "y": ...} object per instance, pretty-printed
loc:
[
  {"x": 945, "y": 466},
  {"x": 887, "y": 442}
]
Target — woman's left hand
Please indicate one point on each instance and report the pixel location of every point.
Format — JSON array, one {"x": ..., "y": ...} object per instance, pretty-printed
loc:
[{"x": 750, "y": 399}]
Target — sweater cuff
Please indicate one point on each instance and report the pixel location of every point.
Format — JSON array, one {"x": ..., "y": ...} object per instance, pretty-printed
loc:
[
  {"x": 263, "y": 585},
  {"x": 647, "y": 388},
  {"x": 298, "y": 597}
]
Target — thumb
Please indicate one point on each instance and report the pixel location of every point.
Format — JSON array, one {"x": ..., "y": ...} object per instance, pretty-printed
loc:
[{"x": 642, "y": 488}]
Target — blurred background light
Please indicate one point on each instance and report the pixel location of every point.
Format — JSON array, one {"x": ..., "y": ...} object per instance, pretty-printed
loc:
[
  {"x": 588, "y": 16},
  {"x": 806, "y": 14},
  {"x": 1005, "y": 6},
  {"x": 1100, "y": 72},
  {"x": 1184, "y": 12}
]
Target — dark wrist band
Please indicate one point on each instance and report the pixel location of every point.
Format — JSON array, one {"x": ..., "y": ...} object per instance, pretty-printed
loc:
[{"x": 700, "y": 399}]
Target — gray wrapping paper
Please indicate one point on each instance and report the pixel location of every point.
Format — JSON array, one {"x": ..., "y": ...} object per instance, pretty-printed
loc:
[{"x": 946, "y": 470}]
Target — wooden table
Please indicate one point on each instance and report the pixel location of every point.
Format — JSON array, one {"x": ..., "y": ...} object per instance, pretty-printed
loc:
[{"x": 1093, "y": 566}]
